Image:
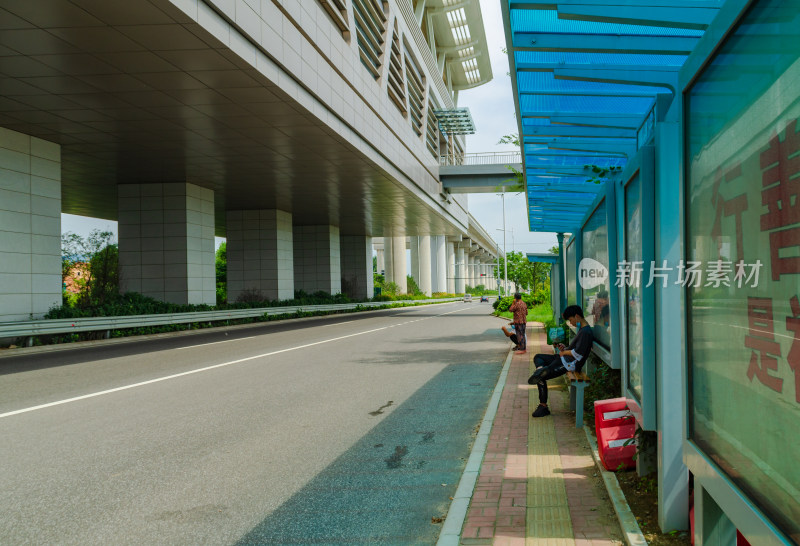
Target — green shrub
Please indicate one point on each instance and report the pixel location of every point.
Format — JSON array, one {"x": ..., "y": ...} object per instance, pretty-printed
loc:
[
  {"x": 383, "y": 297},
  {"x": 413, "y": 289},
  {"x": 606, "y": 383}
]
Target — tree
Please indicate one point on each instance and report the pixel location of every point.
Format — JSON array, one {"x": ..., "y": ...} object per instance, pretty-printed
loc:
[
  {"x": 519, "y": 180},
  {"x": 99, "y": 258},
  {"x": 104, "y": 267},
  {"x": 221, "y": 268}
]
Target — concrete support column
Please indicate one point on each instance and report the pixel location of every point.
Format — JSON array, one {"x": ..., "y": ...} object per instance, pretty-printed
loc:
[
  {"x": 439, "y": 259},
  {"x": 396, "y": 262},
  {"x": 424, "y": 282},
  {"x": 166, "y": 242},
  {"x": 451, "y": 267},
  {"x": 380, "y": 264},
  {"x": 413, "y": 245},
  {"x": 357, "y": 266},
  {"x": 260, "y": 254},
  {"x": 460, "y": 270},
  {"x": 30, "y": 226},
  {"x": 317, "y": 259},
  {"x": 388, "y": 260}
]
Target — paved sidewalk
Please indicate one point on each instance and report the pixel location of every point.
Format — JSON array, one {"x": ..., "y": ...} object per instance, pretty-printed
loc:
[{"x": 538, "y": 484}]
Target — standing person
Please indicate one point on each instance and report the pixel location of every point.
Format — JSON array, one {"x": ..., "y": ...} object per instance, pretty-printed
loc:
[
  {"x": 520, "y": 311},
  {"x": 569, "y": 358}
]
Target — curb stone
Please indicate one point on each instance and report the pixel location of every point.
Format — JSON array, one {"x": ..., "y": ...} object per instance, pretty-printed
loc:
[
  {"x": 627, "y": 522},
  {"x": 454, "y": 522}
]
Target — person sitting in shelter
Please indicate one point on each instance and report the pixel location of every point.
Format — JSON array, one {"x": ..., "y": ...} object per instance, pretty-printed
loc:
[
  {"x": 570, "y": 358},
  {"x": 520, "y": 310},
  {"x": 600, "y": 304}
]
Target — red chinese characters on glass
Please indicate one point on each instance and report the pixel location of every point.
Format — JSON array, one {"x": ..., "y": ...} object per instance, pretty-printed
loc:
[
  {"x": 734, "y": 206},
  {"x": 793, "y": 325},
  {"x": 780, "y": 164},
  {"x": 761, "y": 339}
]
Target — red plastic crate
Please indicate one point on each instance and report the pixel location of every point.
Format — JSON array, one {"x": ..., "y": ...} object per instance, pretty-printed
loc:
[
  {"x": 602, "y": 407},
  {"x": 617, "y": 431}
]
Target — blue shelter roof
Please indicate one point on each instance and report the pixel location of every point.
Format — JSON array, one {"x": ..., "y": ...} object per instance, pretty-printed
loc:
[{"x": 586, "y": 83}]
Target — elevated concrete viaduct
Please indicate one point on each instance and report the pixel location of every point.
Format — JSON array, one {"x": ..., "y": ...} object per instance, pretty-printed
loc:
[{"x": 298, "y": 129}]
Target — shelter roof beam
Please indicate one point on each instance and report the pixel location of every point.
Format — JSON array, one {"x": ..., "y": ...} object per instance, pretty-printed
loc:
[
  {"x": 619, "y": 121},
  {"x": 628, "y": 150},
  {"x": 622, "y": 121},
  {"x": 621, "y": 74},
  {"x": 586, "y": 93},
  {"x": 577, "y": 131},
  {"x": 668, "y": 13},
  {"x": 604, "y": 43}
]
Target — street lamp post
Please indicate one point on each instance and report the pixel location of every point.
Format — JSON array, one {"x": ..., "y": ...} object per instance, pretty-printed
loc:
[{"x": 505, "y": 249}]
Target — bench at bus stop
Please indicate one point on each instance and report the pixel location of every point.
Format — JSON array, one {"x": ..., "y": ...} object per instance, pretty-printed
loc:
[{"x": 577, "y": 382}]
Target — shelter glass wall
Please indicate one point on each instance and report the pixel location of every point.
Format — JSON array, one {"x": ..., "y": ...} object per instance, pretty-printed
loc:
[
  {"x": 572, "y": 292},
  {"x": 594, "y": 237},
  {"x": 633, "y": 290},
  {"x": 743, "y": 235}
]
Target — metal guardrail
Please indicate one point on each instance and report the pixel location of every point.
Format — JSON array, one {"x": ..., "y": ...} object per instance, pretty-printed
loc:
[
  {"x": 483, "y": 158},
  {"x": 92, "y": 324}
]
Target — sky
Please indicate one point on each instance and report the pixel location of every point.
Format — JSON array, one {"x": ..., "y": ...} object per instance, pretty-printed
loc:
[{"x": 492, "y": 108}]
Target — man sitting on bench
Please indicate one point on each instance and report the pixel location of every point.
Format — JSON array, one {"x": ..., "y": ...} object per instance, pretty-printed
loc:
[{"x": 569, "y": 358}]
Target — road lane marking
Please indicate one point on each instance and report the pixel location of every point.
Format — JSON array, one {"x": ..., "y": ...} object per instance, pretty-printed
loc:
[
  {"x": 253, "y": 337},
  {"x": 207, "y": 368},
  {"x": 215, "y": 342}
]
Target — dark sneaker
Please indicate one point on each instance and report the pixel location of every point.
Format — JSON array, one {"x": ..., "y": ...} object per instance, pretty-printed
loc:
[
  {"x": 541, "y": 411},
  {"x": 515, "y": 348}
]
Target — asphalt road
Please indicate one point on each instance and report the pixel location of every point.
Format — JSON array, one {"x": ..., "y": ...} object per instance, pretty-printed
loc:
[{"x": 348, "y": 429}]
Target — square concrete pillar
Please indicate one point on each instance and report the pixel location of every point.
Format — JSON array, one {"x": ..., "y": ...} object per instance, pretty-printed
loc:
[
  {"x": 396, "y": 267},
  {"x": 461, "y": 270},
  {"x": 413, "y": 247},
  {"x": 425, "y": 273},
  {"x": 30, "y": 226},
  {"x": 438, "y": 264},
  {"x": 380, "y": 265},
  {"x": 260, "y": 248},
  {"x": 166, "y": 242},
  {"x": 317, "y": 259},
  {"x": 356, "y": 251},
  {"x": 451, "y": 267}
]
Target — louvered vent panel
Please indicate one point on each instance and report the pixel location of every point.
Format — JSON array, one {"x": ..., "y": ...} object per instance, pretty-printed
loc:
[
  {"x": 396, "y": 82},
  {"x": 337, "y": 9},
  {"x": 370, "y": 17},
  {"x": 432, "y": 132},
  {"x": 415, "y": 85}
]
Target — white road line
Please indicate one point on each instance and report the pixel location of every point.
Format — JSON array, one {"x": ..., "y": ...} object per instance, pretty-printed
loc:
[
  {"x": 756, "y": 330},
  {"x": 215, "y": 342},
  {"x": 337, "y": 323},
  {"x": 252, "y": 337},
  {"x": 207, "y": 368}
]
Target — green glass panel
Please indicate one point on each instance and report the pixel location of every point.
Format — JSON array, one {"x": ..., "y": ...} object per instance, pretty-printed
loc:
[
  {"x": 596, "y": 298},
  {"x": 633, "y": 289},
  {"x": 743, "y": 220},
  {"x": 572, "y": 294}
]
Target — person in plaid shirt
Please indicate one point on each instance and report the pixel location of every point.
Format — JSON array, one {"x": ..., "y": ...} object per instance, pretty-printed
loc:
[{"x": 520, "y": 311}]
